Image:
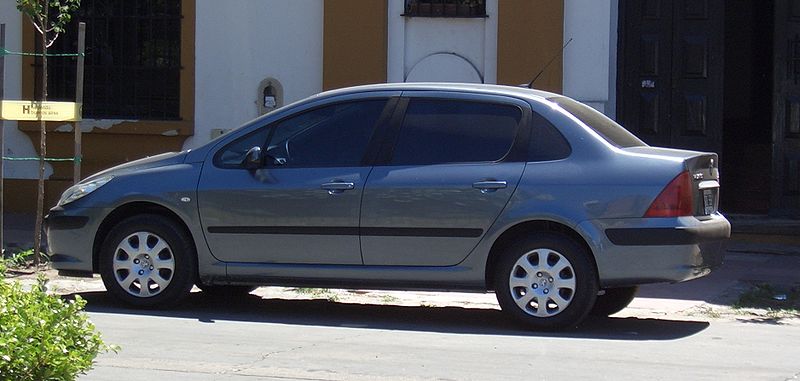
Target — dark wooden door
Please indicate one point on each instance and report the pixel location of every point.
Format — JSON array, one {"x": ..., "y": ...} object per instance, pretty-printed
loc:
[
  {"x": 672, "y": 72},
  {"x": 786, "y": 103}
]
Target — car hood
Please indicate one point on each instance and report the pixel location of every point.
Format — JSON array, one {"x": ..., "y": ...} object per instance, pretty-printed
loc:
[{"x": 155, "y": 161}]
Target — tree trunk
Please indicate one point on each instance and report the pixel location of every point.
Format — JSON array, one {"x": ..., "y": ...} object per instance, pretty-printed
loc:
[{"x": 37, "y": 230}]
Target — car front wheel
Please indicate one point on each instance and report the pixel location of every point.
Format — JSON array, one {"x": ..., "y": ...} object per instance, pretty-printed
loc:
[
  {"x": 546, "y": 281},
  {"x": 148, "y": 261}
]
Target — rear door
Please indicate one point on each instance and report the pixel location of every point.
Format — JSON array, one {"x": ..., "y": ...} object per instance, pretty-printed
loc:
[{"x": 455, "y": 162}]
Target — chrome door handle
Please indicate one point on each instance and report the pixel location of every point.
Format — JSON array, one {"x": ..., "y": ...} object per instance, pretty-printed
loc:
[
  {"x": 337, "y": 186},
  {"x": 489, "y": 185}
]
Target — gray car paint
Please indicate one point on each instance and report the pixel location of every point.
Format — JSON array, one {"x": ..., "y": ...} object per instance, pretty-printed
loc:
[{"x": 598, "y": 186}]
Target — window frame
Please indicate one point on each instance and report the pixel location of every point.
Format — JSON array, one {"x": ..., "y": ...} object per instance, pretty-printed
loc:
[
  {"x": 415, "y": 8},
  {"x": 140, "y": 100},
  {"x": 184, "y": 127}
]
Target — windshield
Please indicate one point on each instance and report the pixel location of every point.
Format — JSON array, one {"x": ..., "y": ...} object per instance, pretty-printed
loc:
[{"x": 603, "y": 125}]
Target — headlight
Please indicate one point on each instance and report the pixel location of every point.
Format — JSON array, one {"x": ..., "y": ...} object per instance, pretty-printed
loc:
[{"x": 82, "y": 189}]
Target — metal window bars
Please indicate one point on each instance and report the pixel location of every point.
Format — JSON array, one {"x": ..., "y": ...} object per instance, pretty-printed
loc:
[
  {"x": 132, "y": 60},
  {"x": 445, "y": 8}
]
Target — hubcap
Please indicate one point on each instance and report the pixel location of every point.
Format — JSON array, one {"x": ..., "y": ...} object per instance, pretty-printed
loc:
[
  {"x": 143, "y": 264},
  {"x": 542, "y": 282}
]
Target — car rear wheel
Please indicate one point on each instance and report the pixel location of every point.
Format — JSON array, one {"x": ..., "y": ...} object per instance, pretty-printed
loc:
[
  {"x": 546, "y": 281},
  {"x": 148, "y": 261},
  {"x": 613, "y": 300}
]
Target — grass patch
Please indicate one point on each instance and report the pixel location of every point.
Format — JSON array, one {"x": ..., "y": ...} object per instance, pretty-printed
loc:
[
  {"x": 778, "y": 301},
  {"x": 706, "y": 312},
  {"x": 318, "y": 293}
]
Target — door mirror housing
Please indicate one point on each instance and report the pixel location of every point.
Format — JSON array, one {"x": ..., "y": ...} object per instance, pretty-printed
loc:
[{"x": 254, "y": 159}]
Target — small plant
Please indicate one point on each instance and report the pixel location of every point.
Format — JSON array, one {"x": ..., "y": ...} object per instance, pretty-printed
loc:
[
  {"x": 388, "y": 299},
  {"x": 43, "y": 337},
  {"x": 22, "y": 259},
  {"x": 318, "y": 293},
  {"x": 779, "y": 302},
  {"x": 706, "y": 311}
]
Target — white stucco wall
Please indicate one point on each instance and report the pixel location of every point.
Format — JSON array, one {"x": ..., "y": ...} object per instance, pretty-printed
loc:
[
  {"x": 590, "y": 60},
  {"x": 240, "y": 43},
  {"x": 16, "y": 144},
  {"x": 442, "y": 49}
]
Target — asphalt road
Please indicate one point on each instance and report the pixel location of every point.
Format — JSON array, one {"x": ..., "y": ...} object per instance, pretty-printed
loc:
[{"x": 275, "y": 339}]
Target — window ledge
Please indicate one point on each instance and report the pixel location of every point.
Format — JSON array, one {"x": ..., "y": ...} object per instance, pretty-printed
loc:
[
  {"x": 444, "y": 16},
  {"x": 165, "y": 128}
]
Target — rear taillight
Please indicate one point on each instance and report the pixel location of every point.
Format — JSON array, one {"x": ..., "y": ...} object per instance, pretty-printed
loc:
[{"x": 675, "y": 200}]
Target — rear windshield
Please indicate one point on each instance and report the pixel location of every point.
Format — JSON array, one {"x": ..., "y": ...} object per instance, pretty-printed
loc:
[{"x": 603, "y": 125}]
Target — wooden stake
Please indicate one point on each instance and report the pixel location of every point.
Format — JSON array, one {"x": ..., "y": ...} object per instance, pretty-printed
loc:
[{"x": 76, "y": 172}]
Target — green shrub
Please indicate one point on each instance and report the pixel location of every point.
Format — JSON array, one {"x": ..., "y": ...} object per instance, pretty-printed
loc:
[
  {"x": 43, "y": 337},
  {"x": 22, "y": 259}
]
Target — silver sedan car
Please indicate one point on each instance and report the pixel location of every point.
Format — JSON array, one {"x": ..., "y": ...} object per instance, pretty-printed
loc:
[{"x": 554, "y": 207}]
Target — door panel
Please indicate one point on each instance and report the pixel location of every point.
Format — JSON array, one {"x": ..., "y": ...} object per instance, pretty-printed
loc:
[
  {"x": 698, "y": 47},
  {"x": 282, "y": 215},
  {"x": 786, "y": 102},
  {"x": 646, "y": 79},
  {"x": 431, "y": 215},
  {"x": 672, "y": 72}
]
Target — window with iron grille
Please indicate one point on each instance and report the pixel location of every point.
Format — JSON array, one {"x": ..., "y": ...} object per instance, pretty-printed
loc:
[
  {"x": 445, "y": 8},
  {"x": 132, "y": 65}
]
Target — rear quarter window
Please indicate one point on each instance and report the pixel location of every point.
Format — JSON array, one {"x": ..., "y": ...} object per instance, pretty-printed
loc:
[{"x": 546, "y": 143}]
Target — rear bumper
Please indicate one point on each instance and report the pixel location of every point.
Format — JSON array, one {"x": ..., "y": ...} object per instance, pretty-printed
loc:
[
  {"x": 681, "y": 235},
  {"x": 651, "y": 250}
]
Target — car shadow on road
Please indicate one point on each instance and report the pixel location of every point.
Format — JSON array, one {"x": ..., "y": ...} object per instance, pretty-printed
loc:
[{"x": 252, "y": 308}]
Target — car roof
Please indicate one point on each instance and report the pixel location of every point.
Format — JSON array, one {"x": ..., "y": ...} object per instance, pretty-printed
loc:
[{"x": 478, "y": 88}]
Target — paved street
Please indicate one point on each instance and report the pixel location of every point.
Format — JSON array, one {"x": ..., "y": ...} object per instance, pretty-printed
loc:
[{"x": 663, "y": 335}]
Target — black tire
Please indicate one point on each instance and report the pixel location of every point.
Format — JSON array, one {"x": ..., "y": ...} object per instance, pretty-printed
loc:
[
  {"x": 613, "y": 301},
  {"x": 576, "y": 284},
  {"x": 225, "y": 291},
  {"x": 168, "y": 257}
]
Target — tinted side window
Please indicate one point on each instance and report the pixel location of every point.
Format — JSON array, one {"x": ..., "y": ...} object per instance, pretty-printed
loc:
[
  {"x": 447, "y": 131},
  {"x": 330, "y": 136},
  {"x": 546, "y": 142}
]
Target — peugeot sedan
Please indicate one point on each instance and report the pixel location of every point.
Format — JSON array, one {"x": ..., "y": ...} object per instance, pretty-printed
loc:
[{"x": 546, "y": 202}]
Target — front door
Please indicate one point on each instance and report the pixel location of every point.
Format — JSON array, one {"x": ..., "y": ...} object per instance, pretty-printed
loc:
[
  {"x": 786, "y": 103},
  {"x": 449, "y": 176},
  {"x": 671, "y": 70},
  {"x": 303, "y": 205}
]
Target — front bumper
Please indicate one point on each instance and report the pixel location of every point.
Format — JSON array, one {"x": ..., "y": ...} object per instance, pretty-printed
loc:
[
  {"x": 70, "y": 237},
  {"x": 651, "y": 250}
]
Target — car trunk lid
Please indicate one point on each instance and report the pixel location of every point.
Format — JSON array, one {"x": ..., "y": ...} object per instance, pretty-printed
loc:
[{"x": 703, "y": 171}]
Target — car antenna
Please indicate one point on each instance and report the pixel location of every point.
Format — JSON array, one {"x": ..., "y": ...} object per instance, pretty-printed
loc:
[{"x": 530, "y": 84}]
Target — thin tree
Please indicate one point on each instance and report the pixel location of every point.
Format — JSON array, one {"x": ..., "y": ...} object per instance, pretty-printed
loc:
[{"x": 49, "y": 17}]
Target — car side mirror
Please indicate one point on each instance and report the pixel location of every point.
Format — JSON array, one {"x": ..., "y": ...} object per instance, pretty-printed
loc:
[{"x": 254, "y": 159}]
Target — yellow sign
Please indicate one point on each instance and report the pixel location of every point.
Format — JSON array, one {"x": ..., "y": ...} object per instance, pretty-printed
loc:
[{"x": 48, "y": 111}]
